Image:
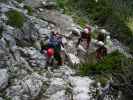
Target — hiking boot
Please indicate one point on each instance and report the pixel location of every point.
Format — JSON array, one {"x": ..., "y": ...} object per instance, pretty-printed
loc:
[
  {"x": 46, "y": 67},
  {"x": 60, "y": 63}
]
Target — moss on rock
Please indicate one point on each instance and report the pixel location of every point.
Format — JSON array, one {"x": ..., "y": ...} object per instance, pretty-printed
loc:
[{"x": 15, "y": 18}]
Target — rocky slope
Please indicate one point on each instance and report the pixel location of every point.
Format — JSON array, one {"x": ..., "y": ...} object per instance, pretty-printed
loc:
[{"x": 22, "y": 67}]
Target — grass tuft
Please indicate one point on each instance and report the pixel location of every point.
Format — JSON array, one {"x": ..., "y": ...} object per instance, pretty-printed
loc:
[{"x": 15, "y": 18}]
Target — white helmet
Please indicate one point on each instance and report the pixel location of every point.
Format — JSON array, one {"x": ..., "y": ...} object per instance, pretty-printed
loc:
[
  {"x": 100, "y": 43},
  {"x": 103, "y": 31},
  {"x": 108, "y": 37},
  {"x": 86, "y": 30}
]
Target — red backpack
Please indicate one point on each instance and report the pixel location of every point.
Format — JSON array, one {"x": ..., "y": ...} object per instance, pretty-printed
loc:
[{"x": 50, "y": 52}]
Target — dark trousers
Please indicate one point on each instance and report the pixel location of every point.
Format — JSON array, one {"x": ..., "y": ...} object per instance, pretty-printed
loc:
[{"x": 57, "y": 55}]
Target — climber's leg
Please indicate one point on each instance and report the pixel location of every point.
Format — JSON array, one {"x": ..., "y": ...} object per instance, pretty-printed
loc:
[{"x": 58, "y": 58}]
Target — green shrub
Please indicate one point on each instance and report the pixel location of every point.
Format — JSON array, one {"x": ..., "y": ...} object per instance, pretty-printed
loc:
[
  {"x": 15, "y": 18},
  {"x": 112, "y": 14},
  {"x": 61, "y": 3},
  {"x": 112, "y": 62},
  {"x": 79, "y": 21},
  {"x": 30, "y": 10},
  {"x": 70, "y": 9}
]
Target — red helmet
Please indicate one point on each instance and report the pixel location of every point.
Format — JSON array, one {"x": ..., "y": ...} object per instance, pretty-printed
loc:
[{"x": 50, "y": 52}]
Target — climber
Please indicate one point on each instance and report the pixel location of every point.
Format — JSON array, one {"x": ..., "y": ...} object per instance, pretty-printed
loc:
[
  {"x": 55, "y": 42},
  {"x": 85, "y": 34},
  {"x": 101, "y": 51}
]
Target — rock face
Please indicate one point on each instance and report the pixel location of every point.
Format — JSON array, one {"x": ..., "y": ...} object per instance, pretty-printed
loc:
[
  {"x": 81, "y": 88},
  {"x": 57, "y": 84},
  {"x": 73, "y": 59},
  {"x": 41, "y": 3},
  {"x": 63, "y": 22},
  {"x": 34, "y": 3},
  {"x": 29, "y": 87},
  {"x": 34, "y": 57},
  {"x": 3, "y": 78},
  {"x": 23, "y": 74},
  {"x": 1, "y": 98},
  {"x": 32, "y": 85}
]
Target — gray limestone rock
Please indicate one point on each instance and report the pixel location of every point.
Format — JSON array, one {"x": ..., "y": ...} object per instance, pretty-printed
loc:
[{"x": 3, "y": 78}]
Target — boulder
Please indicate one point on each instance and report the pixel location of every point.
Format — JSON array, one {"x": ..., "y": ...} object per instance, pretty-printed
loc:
[
  {"x": 43, "y": 31},
  {"x": 27, "y": 88},
  {"x": 3, "y": 17},
  {"x": 35, "y": 58},
  {"x": 14, "y": 92},
  {"x": 33, "y": 3},
  {"x": 1, "y": 98},
  {"x": 73, "y": 59},
  {"x": 57, "y": 84},
  {"x": 61, "y": 21},
  {"x": 81, "y": 97},
  {"x": 3, "y": 8},
  {"x": 3, "y": 78},
  {"x": 59, "y": 96},
  {"x": 81, "y": 81},
  {"x": 76, "y": 30},
  {"x": 16, "y": 98},
  {"x": 64, "y": 72},
  {"x": 32, "y": 85},
  {"x": 81, "y": 88},
  {"x": 49, "y": 4},
  {"x": 10, "y": 41}
]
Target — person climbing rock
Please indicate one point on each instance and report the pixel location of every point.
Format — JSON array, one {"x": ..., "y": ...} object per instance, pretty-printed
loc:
[
  {"x": 55, "y": 42},
  {"x": 85, "y": 34},
  {"x": 101, "y": 51}
]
